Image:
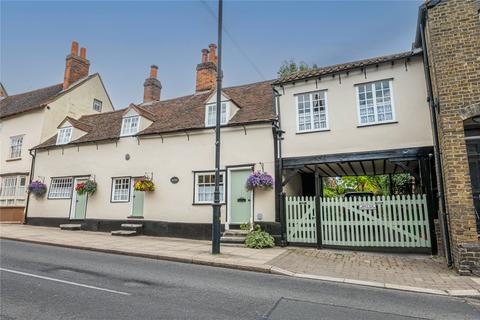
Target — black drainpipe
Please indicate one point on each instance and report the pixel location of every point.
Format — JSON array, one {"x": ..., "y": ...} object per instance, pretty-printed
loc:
[
  {"x": 440, "y": 181},
  {"x": 277, "y": 137},
  {"x": 30, "y": 179}
]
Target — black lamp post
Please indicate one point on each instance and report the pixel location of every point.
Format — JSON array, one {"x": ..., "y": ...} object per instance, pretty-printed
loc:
[{"x": 216, "y": 194}]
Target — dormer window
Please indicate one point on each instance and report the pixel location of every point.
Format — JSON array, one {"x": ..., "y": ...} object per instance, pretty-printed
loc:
[
  {"x": 130, "y": 125},
  {"x": 64, "y": 135},
  {"x": 211, "y": 114}
]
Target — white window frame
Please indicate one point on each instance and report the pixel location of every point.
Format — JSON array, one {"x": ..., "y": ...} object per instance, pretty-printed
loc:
[
  {"x": 60, "y": 188},
  {"x": 13, "y": 190},
  {"x": 212, "y": 107},
  {"x": 16, "y": 144},
  {"x": 123, "y": 181},
  {"x": 374, "y": 96},
  {"x": 196, "y": 186},
  {"x": 127, "y": 128},
  {"x": 96, "y": 103},
  {"x": 312, "y": 129},
  {"x": 64, "y": 135}
]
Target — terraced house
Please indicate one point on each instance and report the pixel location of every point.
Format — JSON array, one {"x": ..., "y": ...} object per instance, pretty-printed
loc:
[
  {"x": 29, "y": 118},
  {"x": 171, "y": 143}
]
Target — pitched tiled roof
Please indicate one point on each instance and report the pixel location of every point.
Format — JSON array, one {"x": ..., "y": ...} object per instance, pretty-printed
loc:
[
  {"x": 345, "y": 66},
  {"x": 28, "y": 101},
  {"x": 181, "y": 114}
]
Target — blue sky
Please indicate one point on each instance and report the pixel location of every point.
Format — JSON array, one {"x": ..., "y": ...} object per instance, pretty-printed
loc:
[{"x": 124, "y": 38}]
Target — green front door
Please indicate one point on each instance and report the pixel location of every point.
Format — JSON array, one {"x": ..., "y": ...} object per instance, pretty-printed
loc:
[
  {"x": 240, "y": 197},
  {"x": 137, "y": 205},
  {"x": 80, "y": 204}
]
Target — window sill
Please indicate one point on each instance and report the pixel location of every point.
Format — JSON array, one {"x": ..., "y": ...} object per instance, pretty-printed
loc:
[
  {"x": 13, "y": 159},
  {"x": 376, "y": 124},
  {"x": 134, "y": 217},
  {"x": 313, "y": 131}
]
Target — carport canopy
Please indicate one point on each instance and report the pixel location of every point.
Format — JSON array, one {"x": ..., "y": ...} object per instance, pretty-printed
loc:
[{"x": 371, "y": 163}]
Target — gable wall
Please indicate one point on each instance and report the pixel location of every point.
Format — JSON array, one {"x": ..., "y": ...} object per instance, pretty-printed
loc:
[{"x": 75, "y": 103}]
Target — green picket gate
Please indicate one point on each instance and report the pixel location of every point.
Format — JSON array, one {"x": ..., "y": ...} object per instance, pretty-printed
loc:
[{"x": 386, "y": 221}]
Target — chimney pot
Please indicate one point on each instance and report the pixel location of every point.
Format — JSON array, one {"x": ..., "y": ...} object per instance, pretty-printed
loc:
[
  {"x": 75, "y": 48},
  {"x": 213, "y": 56},
  {"x": 153, "y": 71},
  {"x": 207, "y": 70},
  {"x": 76, "y": 67},
  {"x": 204, "y": 55},
  {"x": 152, "y": 86}
]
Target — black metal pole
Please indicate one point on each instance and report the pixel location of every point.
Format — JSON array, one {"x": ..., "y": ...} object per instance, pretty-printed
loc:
[{"x": 216, "y": 195}]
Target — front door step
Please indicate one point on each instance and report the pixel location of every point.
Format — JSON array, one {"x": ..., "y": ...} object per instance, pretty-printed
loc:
[
  {"x": 132, "y": 226},
  {"x": 71, "y": 226},
  {"x": 234, "y": 237},
  {"x": 128, "y": 230},
  {"x": 124, "y": 233}
]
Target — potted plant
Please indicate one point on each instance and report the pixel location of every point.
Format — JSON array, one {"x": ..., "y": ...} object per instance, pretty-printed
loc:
[
  {"x": 88, "y": 187},
  {"x": 37, "y": 187},
  {"x": 259, "y": 180},
  {"x": 144, "y": 184}
]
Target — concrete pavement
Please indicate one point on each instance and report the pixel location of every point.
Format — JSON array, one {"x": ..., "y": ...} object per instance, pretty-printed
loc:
[
  {"x": 50, "y": 282},
  {"x": 400, "y": 272}
]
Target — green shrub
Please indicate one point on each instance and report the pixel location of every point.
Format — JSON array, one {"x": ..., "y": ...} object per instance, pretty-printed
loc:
[
  {"x": 259, "y": 239},
  {"x": 245, "y": 226}
]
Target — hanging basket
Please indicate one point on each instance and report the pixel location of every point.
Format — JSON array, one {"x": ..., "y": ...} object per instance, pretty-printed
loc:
[
  {"x": 259, "y": 180},
  {"x": 89, "y": 187},
  {"x": 144, "y": 184},
  {"x": 37, "y": 188}
]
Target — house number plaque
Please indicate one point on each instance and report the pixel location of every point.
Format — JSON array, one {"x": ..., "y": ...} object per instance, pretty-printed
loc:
[
  {"x": 174, "y": 180},
  {"x": 367, "y": 206}
]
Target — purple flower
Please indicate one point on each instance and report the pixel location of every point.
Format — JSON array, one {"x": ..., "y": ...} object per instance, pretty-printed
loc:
[
  {"x": 259, "y": 179},
  {"x": 37, "y": 187}
]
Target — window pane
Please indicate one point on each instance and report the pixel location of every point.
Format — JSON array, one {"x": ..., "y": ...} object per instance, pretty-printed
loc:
[
  {"x": 130, "y": 125},
  {"x": 16, "y": 146},
  {"x": 121, "y": 189},
  {"x": 311, "y": 110},
  {"x": 205, "y": 187},
  {"x": 64, "y": 135},
  {"x": 61, "y": 188},
  {"x": 375, "y": 103}
]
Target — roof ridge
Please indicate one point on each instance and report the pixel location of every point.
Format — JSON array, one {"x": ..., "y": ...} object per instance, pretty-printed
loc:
[{"x": 299, "y": 74}]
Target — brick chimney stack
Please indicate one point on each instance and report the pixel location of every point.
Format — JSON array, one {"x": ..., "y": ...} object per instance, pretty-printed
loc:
[
  {"x": 152, "y": 86},
  {"x": 207, "y": 70},
  {"x": 76, "y": 67}
]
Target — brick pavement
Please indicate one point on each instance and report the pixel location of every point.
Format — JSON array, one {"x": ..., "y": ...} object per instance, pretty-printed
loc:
[{"x": 419, "y": 271}]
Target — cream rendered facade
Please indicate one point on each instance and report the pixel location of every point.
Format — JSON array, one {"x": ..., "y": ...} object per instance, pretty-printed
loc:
[
  {"x": 77, "y": 102},
  {"x": 411, "y": 126},
  {"x": 37, "y": 125},
  {"x": 176, "y": 155}
]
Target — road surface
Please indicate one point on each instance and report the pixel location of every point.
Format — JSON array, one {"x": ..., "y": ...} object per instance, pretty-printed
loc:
[{"x": 45, "y": 282}]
